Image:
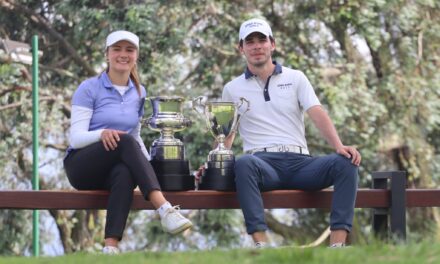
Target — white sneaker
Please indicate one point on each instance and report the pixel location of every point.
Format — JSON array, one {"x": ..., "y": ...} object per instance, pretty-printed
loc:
[
  {"x": 338, "y": 245},
  {"x": 173, "y": 222},
  {"x": 110, "y": 250},
  {"x": 261, "y": 245}
]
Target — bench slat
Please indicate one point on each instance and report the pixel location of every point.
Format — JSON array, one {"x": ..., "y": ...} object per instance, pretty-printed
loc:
[
  {"x": 45, "y": 199},
  {"x": 71, "y": 199},
  {"x": 422, "y": 197}
]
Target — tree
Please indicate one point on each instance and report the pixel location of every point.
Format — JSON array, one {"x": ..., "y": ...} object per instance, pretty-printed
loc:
[{"x": 373, "y": 65}]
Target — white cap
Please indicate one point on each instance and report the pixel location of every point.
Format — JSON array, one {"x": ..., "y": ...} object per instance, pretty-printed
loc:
[
  {"x": 254, "y": 25},
  {"x": 116, "y": 36}
]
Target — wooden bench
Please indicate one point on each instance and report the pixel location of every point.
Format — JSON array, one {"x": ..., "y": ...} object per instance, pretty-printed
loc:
[{"x": 388, "y": 197}]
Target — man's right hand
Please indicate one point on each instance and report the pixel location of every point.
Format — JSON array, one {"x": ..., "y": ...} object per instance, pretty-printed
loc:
[
  {"x": 110, "y": 138},
  {"x": 199, "y": 173}
]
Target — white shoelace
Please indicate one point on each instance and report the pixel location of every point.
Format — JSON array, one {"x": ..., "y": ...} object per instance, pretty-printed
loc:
[{"x": 175, "y": 212}]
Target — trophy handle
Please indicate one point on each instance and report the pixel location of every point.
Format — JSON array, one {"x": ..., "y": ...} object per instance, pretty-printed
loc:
[
  {"x": 200, "y": 108},
  {"x": 147, "y": 121},
  {"x": 239, "y": 105},
  {"x": 197, "y": 105}
]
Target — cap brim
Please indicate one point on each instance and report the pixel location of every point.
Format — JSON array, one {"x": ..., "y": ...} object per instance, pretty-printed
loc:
[
  {"x": 124, "y": 39},
  {"x": 256, "y": 31}
]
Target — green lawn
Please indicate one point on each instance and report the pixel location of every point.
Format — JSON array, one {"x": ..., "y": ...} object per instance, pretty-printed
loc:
[{"x": 378, "y": 253}]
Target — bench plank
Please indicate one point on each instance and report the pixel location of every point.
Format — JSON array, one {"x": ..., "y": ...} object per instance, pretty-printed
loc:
[
  {"x": 70, "y": 199},
  {"x": 422, "y": 197}
]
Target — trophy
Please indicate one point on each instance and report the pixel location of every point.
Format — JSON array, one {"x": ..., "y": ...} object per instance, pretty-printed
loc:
[
  {"x": 168, "y": 153},
  {"x": 222, "y": 120}
]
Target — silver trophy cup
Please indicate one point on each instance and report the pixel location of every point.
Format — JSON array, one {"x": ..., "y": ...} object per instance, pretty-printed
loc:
[
  {"x": 222, "y": 119},
  {"x": 167, "y": 152}
]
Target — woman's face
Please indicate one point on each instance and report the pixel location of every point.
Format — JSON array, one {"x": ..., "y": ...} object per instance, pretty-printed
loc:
[{"x": 122, "y": 56}]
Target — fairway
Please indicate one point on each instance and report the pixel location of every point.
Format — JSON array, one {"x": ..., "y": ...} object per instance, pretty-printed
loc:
[{"x": 377, "y": 253}]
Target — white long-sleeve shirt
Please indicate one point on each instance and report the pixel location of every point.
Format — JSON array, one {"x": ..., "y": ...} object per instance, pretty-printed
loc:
[{"x": 80, "y": 136}]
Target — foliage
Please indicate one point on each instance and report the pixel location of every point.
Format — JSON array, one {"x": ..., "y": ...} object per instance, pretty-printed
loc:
[
  {"x": 13, "y": 225},
  {"x": 376, "y": 253},
  {"x": 374, "y": 65}
]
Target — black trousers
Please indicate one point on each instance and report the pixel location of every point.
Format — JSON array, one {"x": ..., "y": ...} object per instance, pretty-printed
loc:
[{"x": 119, "y": 171}]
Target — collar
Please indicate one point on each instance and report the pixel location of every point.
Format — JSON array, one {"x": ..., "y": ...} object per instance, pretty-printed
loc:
[
  {"x": 108, "y": 83},
  {"x": 278, "y": 69}
]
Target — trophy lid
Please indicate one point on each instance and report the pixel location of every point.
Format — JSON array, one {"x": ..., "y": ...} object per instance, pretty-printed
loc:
[
  {"x": 165, "y": 98},
  {"x": 220, "y": 103}
]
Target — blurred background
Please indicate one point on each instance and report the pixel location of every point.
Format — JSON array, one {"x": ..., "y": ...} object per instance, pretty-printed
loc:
[{"x": 374, "y": 65}]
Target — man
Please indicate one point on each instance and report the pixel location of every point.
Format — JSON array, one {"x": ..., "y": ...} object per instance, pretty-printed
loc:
[{"x": 274, "y": 141}]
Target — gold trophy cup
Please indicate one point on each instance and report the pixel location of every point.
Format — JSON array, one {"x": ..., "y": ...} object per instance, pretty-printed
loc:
[{"x": 222, "y": 119}]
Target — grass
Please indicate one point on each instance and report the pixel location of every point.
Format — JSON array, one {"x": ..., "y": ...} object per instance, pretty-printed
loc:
[{"x": 377, "y": 253}]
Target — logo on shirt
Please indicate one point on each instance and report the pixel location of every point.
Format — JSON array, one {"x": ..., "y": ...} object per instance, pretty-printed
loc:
[{"x": 285, "y": 86}]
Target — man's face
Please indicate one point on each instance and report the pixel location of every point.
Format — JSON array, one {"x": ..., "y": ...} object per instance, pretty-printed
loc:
[{"x": 257, "y": 48}]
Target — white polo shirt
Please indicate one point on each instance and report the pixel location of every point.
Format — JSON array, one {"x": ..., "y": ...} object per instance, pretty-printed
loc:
[{"x": 276, "y": 114}]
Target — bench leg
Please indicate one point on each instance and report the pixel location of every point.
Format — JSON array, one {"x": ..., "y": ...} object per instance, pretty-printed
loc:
[
  {"x": 380, "y": 223},
  {"x": 397, "y": 207},
  {"x": 380, "y": 215}
]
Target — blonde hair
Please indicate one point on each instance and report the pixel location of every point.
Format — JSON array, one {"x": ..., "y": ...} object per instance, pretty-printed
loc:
[{"x": 134, "y": 76}]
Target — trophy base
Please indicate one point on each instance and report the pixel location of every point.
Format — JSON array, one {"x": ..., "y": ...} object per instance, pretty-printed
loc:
[
  {"x": 173, "y": 175},
  {"x": 219, "y": 179}
]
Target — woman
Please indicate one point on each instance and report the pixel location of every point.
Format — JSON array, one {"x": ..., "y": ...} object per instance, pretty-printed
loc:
[{"x": 106, "y": 150}]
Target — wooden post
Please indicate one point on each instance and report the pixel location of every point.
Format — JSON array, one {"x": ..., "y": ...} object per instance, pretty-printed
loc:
[{"x": 395, "y": 215}]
